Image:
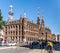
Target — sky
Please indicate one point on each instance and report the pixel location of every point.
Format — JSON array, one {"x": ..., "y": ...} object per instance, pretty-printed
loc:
[{"x": 49, "y": 8}]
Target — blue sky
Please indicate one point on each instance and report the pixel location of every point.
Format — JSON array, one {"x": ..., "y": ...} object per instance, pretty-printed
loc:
[{"x": 49, "y": 8}]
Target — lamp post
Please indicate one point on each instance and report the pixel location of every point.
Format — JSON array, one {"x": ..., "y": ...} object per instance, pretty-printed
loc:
[{"x": 46, "y": 37}]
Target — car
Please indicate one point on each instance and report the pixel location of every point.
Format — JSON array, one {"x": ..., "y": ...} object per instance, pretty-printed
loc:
[
  {"x": 34, "y": 45},
  {"x": 11, "y": 44}
]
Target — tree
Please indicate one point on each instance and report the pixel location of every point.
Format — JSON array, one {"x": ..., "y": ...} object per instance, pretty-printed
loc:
[{"x": 2, "y": 23}]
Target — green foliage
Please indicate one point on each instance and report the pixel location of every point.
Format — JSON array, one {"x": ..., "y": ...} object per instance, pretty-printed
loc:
[
  {"x": 2, "y": 23},
  {"x": 1, "y": 15}
]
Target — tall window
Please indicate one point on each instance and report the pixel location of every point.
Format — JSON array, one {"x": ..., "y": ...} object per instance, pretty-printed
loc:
[
  {"x": 19, "y": 27},
  {"x": 42, "y": 33},
  {"x": 16, "y": 32}
]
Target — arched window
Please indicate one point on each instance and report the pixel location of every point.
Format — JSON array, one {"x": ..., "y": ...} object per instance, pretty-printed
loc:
[{"x": 42, "y": 33}]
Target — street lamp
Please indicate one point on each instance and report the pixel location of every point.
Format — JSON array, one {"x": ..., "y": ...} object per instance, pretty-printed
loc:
[{"x": 46, "y": 37}]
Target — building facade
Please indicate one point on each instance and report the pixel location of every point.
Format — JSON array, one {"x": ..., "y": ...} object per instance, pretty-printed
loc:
[
  {"x": 23, "y": 30},
  {"x": 58, "y": 38}
]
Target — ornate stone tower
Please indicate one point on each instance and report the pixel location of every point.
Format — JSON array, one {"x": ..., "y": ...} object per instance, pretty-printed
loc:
[
  {"x": 38, "y": 19},
  {"x": 24, "y": 27},
  {"x": 10, "y": 14},
  {"x": 42, "y": 29},
  {"x": 42, "y": 22},
  {"x": 21, "y": 37}
]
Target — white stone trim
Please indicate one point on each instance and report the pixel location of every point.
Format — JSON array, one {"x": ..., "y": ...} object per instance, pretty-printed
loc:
[{"x": 30, "y": 31}]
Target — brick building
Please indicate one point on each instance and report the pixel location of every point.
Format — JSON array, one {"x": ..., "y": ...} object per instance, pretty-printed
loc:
[{"x": 23, "y": 30}]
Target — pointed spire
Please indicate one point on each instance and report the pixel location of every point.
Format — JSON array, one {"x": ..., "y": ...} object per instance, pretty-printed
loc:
[
  {"x": 42, "y": 19},
  {"x": 38, "y": 11},
  {"x": 38, "y": 18},
  {"x": 42, "y": 23},
  {"x": 42, "y": 16},
  {"x": 21, "y": 18},
  {"x": 24, "y": 14}
]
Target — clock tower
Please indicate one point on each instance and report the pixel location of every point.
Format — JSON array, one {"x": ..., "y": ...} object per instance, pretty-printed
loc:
[{"x": 10, "y": 14}]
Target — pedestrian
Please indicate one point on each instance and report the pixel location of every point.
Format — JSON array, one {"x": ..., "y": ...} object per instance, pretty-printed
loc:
[{"x": 50, "y": 47}]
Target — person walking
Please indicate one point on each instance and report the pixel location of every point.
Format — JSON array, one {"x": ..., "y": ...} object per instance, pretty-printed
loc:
[{"x": 50, "y": 47}]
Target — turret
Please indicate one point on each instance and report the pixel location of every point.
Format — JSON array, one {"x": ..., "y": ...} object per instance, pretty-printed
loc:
[
  {"x": 25, "y": 18},
  {"x": 38, "y": 18},
  {"x": 42, "y": 23},
  {"x": 10, "y": 14},
  {"x": 21, "y": 19}
]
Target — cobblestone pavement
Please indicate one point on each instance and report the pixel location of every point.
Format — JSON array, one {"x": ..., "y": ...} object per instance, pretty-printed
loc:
[{"x": 14, "y": 49}]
